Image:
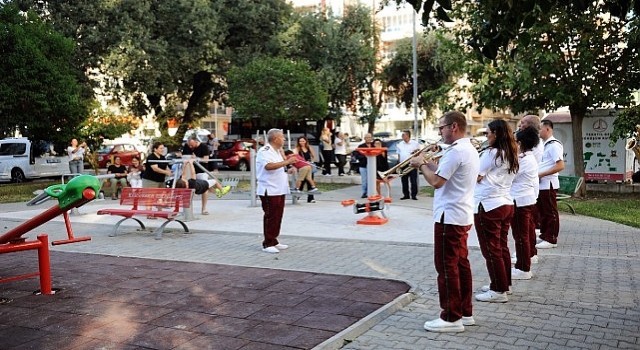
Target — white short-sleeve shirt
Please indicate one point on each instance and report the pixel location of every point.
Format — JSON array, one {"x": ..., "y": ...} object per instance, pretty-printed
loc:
[
  {"x": 406, "y": 149},
  {"x": 553, "y": 152},
  {"x": 493, "y": 190},
  {"x": 459, "y": 166},
  {"x": 524, "y": 189},
  {"x": 271, "y": 182}
]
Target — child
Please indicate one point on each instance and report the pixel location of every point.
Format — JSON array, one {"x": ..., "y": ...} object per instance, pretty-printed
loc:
[
  {"x": 201, "y": 186},
  {"x": 304, "y": 171}
]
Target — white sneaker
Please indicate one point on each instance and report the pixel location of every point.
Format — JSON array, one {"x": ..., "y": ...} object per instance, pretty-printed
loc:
[
  {"x": 313, "y": 190},
  {"x": 492, "y": 297},
  {"x": 468, "y": 321},
  {"x": 534, "y": 259},
  {"x": 281, "y": 246},
  {"x": 440, "y": 325},
  {"x": 272, "y": 250},
  {"x": 517, "y": 274},
  {"x": 545, "y": 245},
  {"x": 486, "y": 289},
  {"x": 514, "y": 258},
  {"x": 538, "y": 232}
]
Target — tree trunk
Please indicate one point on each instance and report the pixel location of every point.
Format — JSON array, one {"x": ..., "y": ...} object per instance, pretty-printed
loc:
[{"x": 578, "y": 112}]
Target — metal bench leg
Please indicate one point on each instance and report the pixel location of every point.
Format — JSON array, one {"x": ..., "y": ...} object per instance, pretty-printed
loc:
[
  {"x": 573, "y": 210},
  {"x": 115, "y": 228},
  {"x": 160, "y": 229}
]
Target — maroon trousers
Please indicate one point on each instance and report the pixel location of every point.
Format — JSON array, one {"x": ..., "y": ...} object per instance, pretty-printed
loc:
[
  {"x": 522, "y": 229},
  {"x": 273, "y": 207},
  {"x": 454, "y": 271},
  {"x": 549, "y": 219},
  {"x": 493, "y": 235}
]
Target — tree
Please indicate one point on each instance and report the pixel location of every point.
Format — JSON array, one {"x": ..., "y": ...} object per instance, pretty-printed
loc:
[
  {"x": 437, "y": 72},
  {"x": 574, "y": 58},
  {"x": 500, "y": 21},
  {"x": 342, "y": 51},
  {"x": 273, "y": 89},
  {"x": 40, "y": 93},
  {"x": 145, "y": 52}
]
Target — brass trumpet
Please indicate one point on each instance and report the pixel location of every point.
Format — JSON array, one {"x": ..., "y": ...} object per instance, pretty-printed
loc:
[{"x": 429, "y": 152}]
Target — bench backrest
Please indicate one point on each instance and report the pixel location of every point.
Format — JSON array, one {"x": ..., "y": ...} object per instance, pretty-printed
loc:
[
  {"x": 569, "y": 184},
  {"x": 167, "y": 197}
]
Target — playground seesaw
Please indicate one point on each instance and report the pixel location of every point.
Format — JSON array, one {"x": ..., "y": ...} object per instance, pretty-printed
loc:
[{"x": 77, "y": 192}]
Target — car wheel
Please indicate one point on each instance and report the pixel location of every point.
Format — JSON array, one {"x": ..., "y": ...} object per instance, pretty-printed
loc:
[
  {"x": 243, "y": 166},
  {"x": 17, "y": 176}
]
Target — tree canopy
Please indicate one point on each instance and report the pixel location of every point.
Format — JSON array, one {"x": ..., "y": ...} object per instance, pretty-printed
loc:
[
  {"x": 273, "y": 89},
  {"x": 579, "y": 59},
  {"x": 40, "y": 93}
]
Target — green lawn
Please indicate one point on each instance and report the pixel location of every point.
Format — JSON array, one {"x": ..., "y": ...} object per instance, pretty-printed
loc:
[
  {"x": 22, "y": 192},
  {"x": 623, "y": 208}
]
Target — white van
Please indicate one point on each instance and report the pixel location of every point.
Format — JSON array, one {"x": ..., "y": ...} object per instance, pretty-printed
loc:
[{"x": 19, "y": 160}]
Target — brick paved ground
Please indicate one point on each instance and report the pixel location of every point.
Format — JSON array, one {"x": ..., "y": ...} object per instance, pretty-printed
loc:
[{"x": 585, "y": 293}]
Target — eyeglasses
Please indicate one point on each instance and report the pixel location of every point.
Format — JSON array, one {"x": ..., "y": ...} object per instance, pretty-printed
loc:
[{"x": 444, "y": 126}]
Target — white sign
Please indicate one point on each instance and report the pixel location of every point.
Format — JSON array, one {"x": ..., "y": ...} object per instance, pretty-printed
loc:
[{"x": 603, "y": 159}]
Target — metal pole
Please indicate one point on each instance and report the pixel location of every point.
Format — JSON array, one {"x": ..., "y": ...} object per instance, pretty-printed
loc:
[{"x": 415, "y": 79}]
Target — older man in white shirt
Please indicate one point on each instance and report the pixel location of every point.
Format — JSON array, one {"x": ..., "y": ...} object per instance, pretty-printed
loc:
[
  {"x": 273, "y": 186},
  {"x": 406, "y": 148}
]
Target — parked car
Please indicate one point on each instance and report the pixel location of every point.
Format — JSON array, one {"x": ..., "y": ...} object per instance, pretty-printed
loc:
[
  {"x": 125, "y": 151},
  {"x": 236, "y": 154}
]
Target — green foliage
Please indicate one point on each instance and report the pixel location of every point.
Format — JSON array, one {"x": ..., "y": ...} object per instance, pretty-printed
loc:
[
  {"x": 102, "y": 124},
  {"x": 625, "y": 124},
  {"x": 341, "y": 51},
  {"x": 40, "y": 93},
  {"x": 273, "y": 89},
  {"x": 438, "y": 69}
]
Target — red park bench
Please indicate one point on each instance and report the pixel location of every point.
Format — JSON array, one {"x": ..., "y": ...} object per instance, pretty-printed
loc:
[{"x": 172, "y": 199}]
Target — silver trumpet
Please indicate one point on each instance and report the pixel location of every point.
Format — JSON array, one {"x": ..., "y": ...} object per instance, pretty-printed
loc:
[{"x": 430, "y": 151}]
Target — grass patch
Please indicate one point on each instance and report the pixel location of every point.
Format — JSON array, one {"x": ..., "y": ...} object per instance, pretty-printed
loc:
[
  {"x": 622, "y": 208},
  {"x": 22, "y": 192}
]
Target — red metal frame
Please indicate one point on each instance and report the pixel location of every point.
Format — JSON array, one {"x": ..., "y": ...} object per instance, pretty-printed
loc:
[{"x": 44, "y": 262}]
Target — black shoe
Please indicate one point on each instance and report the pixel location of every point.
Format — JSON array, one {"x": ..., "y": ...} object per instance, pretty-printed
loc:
[
  {"x": 403, "y": 198},
  {"x": 364, "y": 196},
  {"x": 414, "y": 198}
]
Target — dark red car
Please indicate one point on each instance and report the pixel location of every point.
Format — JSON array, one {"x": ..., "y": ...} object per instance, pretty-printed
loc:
[
  {"x": 123, "y": 150},
  {"x": 236, "y": 154}
]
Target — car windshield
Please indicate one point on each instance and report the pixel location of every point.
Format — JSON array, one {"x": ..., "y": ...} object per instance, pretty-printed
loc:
[
  {"x": 225, "y": 146},
  {"x": 105, "y": 149}
]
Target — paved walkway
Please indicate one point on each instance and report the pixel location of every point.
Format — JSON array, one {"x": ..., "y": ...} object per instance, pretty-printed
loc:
[{"x": 584, "y": 294}]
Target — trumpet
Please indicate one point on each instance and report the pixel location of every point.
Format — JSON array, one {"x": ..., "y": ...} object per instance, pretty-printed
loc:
[{"x": 429, "y": 152}]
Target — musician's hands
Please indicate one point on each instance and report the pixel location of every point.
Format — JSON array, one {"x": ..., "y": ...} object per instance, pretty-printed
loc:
[{"x": 416, "y": 162}]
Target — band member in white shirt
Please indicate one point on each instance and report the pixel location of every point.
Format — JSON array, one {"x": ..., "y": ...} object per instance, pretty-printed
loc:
[
  {"x": 273, "y": 186},
  {"x": 524, "y": 192},
  {"x": 552, "y": 163},
  {"x": 406, "y": 148},
  {"x": 493, "y": 208},
  {"x": 453, "y": 178}
]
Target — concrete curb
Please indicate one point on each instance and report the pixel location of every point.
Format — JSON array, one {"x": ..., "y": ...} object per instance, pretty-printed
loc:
[{"x": 355, "y": 330}]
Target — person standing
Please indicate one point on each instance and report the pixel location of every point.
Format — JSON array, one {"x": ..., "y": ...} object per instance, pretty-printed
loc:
[
  {"x": 199, "y": 150},
  {"x": 493, "y": 208},
  {"x": 453, "y": 178},
  {"x": 340, "y": 152},
  {"x": 327, "y": 151},
  {"x": 273, "y": 186},
  {"x": 76, "y": 156},
  {"x": 155, "y": 169},
  {"x": 362, "y": 163},
  {"x": 406, "y": 148},
  {"x": 552, "y": 163},
  {"x": 212, "y": 144},
  {"x": 120, "y": 173},
  {"x": 524, "y": 191},
  {"x": 306, "y": 151}
]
